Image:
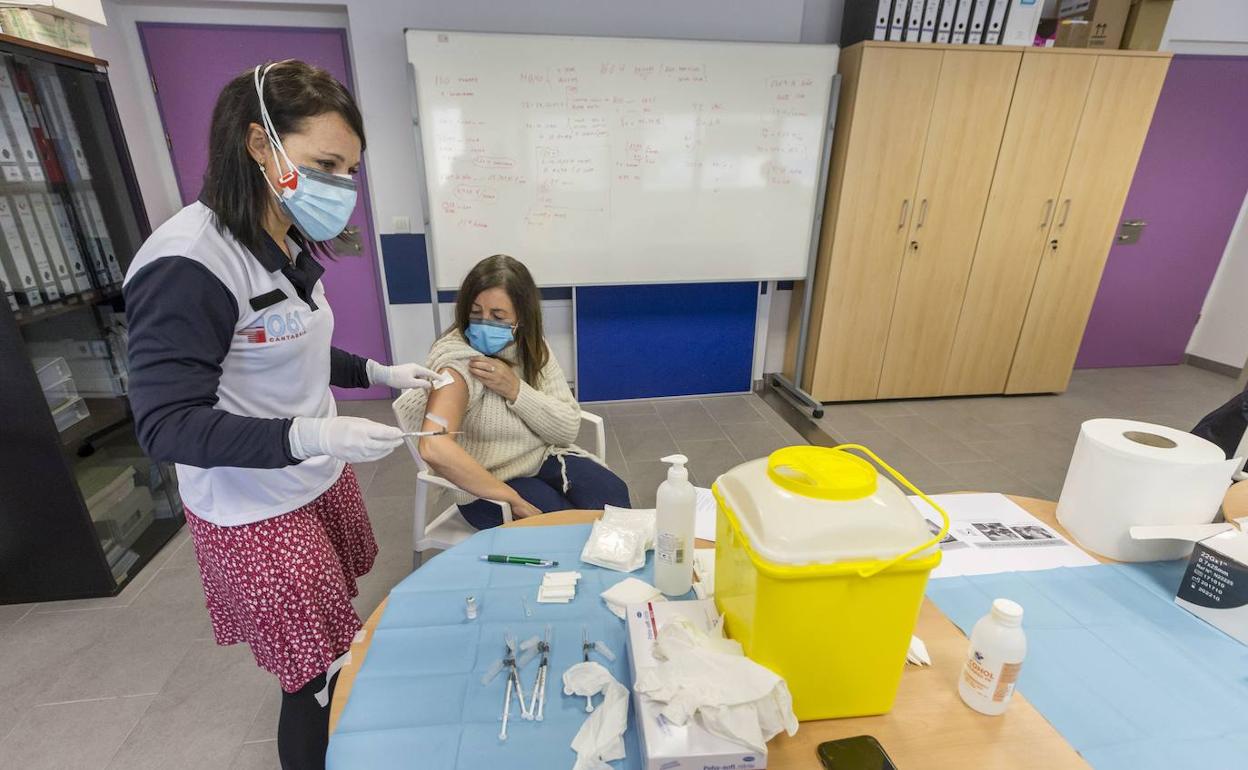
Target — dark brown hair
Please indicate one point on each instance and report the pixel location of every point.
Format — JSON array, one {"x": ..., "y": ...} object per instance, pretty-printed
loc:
[
  {"x": 234, "y": 188},
  {"x": 510, "y": 274}
]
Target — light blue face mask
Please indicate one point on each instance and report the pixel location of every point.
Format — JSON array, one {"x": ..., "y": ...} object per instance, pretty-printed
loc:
[
  {"x": 318, "y": 203},
  {"x": 489, "y": 337}
]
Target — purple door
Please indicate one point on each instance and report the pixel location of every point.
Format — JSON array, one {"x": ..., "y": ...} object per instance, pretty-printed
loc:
[
  {"x": 1188, "y": 187},
  {"x": 189, "y": 64}
]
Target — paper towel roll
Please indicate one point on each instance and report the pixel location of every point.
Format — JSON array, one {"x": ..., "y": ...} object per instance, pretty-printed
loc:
[{"x": 1126, "y": 473}]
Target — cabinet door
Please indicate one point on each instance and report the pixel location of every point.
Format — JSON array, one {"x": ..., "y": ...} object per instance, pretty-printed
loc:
[
  {"x": 963, "y": 139},
  {"x": 856, "y": 279},
  {"x": 1111, "y": 134},
  {"x": 1044, "y": 117}
]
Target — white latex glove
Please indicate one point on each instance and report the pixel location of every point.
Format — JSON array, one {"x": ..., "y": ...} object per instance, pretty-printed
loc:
[
  {"x": 601, "y": 737},
  {"x": 400, "y": 376},
  {"x": 353, "y": 439},
  {"x": 709, "y": 677}
]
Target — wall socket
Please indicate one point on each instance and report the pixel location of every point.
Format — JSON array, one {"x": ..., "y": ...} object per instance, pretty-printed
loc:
[{"x": 401, "y": 224}]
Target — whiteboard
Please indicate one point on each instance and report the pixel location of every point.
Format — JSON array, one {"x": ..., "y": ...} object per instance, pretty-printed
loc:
[{"x": 616, "y": 160}]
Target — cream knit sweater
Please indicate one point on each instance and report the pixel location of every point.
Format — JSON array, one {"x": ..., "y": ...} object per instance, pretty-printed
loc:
[{"x": 511, "y": 440}]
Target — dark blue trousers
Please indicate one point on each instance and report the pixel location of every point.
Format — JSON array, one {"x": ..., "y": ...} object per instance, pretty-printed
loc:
[{"x": 590, "y": 485}]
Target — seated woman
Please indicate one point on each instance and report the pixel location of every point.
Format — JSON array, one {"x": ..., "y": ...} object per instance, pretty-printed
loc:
[{"x": 510, "y": 399}]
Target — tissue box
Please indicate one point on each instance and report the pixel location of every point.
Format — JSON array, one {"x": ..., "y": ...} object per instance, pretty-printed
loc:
[
  {"x": 664, "y": 745},
  {"x": 1215, "y": 584}
]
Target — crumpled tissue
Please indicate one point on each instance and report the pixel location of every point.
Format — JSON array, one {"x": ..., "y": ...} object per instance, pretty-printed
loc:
[
  {"x": 642, "y": 519},
  {"x": 614, "y": 547},
  {"x": 709, "y": 677},
  {"x": 629, "y": 591},
  {"x": 601, "y": 737}
]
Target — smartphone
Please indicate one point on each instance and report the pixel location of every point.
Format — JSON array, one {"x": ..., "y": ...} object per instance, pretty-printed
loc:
[{"x": 862, "y": 752}]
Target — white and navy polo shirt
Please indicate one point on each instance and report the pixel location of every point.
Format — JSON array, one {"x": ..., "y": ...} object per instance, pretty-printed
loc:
[{"x": 226, "y": 348}]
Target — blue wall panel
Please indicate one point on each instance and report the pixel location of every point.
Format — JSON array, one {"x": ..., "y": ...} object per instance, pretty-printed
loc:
[
  {"x": 407, "y": 268},
  {"x": 664, "y": 340}
]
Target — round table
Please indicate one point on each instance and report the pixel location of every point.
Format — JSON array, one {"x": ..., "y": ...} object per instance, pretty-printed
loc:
[{"x": 929, "y": 727}]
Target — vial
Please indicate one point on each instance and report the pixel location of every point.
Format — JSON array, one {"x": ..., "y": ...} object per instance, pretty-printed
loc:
[{"x": 470, "y": 607}]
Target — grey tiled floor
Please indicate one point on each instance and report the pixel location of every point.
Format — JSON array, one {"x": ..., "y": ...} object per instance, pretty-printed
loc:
[{"x": 136, "y": 681}]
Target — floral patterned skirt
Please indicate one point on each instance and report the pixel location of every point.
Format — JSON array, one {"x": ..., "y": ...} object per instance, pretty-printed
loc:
[{"x": 284, "y": 585}]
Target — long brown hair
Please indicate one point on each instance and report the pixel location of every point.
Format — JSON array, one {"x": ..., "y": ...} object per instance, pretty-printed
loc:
[
  {"x": 233, "y": 187},
  {"x": 509, "y": 274}
]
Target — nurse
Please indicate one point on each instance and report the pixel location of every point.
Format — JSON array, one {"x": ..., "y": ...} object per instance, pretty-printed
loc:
[{"x": 230, "y": 368}]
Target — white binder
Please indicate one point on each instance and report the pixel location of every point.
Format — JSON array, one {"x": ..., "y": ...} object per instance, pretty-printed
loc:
[
  {"x": 882, "y": 13},
  {"x": 979, "y": 17},
  {"x": 52, "y": 242},
  {"x": 914, "y": 20},
  {"x": 930, "y": 13},
  {"x": 45, "y": 273},
  {"x": 95, "y": 249},
  {"x": 961, "y": 21},
  {"x": 110, "y": 256},
  {"x": 56, "y": 104},
  {"x": 77, "y": 262},
  {"x": 897, "y": 27},
  {"x": 17, "y": 126},
  {"x": 996, "y": 20},
  {"x": 9, "y": 167},
  {"x": 944, "y": 23},
  {"x": 24, "y": 282},
  {"x": 1021, "y": 22}
]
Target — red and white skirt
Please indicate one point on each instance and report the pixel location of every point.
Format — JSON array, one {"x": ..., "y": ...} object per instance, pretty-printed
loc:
[{"x": 284, "y": 585}]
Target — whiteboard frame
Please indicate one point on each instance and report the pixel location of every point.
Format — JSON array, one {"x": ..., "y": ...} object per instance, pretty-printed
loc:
[
  {"x": 422, "y": 178},
  {"x": 779, "y": 381}
]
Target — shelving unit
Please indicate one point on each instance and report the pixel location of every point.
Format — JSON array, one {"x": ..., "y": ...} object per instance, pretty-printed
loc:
[{"x": 81, "y": 508}]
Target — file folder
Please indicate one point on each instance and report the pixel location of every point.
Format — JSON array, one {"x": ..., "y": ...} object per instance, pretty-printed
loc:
[
  {"x": 897, "y": 27},
  {"x": 1021, "y": 22},
  {"x": 914, "y": 20},
  {"x": 16, "y": 119},
  {"x": 979, "y": 17},
  {"x": 961, "y": 21},
  {"x": 52, "y": 242},
  {"x": 45, "y": 273},
  {"x": 996, "y": 20},
  {"x": 77, "y": 262},
  {"x": 944, "y": 23},
  {"x": 931, "y": 12},
  {"x": 22, "y": 273}
]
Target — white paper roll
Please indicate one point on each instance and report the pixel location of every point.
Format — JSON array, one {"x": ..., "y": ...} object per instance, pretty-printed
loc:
[{"x": 1126, "y": 473}]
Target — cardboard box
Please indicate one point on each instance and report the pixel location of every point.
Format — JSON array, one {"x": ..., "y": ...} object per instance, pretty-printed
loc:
[
  {"x": 665, "y": 746},
  {"x": 47, "y": 29},
  {"x": 1073, "y": 33},
  {"x": 1106, "y": 18},
  {"x": 1146, "y": 24},
  {"x": 1215, "y": 584}
]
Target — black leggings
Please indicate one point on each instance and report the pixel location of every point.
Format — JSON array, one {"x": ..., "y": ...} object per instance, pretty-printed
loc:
[{"x": 303, "y": 727}]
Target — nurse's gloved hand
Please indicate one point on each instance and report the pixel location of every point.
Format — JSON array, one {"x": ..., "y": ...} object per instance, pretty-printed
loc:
[
  {"x": 401, "y": 376},
  {"x": 353, "y": 439}
]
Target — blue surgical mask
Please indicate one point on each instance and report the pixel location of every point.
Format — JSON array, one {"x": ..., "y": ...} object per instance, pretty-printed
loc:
[
  {"x": 318, "y": 203},
  {"x": 489, "y": 337}
]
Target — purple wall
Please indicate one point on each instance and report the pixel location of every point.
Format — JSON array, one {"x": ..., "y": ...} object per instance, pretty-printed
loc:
[
  {"x": 190, "y": 63},
  {"x": 1189, "y": 186}
]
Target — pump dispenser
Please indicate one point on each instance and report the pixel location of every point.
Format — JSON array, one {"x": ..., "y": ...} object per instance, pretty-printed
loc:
[{"x": 675, "y": 504}]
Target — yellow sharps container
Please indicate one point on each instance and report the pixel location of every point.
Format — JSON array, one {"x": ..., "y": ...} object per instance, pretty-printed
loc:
[{"x": 820, "y": 567}]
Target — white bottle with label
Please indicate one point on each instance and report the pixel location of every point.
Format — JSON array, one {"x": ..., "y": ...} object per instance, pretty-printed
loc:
[
  {"x": 994, "y": 659},
  {"x": 675, "y": 503}
]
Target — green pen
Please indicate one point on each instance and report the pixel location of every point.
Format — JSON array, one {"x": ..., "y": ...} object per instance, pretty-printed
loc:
[{"x": 528, "y": 561}]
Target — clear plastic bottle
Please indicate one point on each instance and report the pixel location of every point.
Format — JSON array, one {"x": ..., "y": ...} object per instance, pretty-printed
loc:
[
  {"x": 998, "y": 646},
  {"x": 675, "y": 503}
]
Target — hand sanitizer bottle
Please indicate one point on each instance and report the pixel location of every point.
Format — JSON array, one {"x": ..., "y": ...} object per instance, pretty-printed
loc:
[
  {"x": 994, "y": 658},
  {"x": 673, "y": 551}
]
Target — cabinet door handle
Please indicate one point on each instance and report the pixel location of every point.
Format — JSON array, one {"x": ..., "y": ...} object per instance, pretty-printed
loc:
[
  {"x": 905, "y": 210},
  {"x": 914, "y": 248},
  {"x": 922, "y": 214},
  {"x": 1048, "y": 212},
  {"x": 1065, "y": 212}
]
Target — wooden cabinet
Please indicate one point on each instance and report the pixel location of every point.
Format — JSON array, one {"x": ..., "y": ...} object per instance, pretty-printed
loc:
[
  {"x": 895, "y": 89},
  {"x": 1111, "y": 134},
  {"x": 973, "y": 198},
  {"x": 968, "y": 118},
  {"x": 1025, "y": 192}
]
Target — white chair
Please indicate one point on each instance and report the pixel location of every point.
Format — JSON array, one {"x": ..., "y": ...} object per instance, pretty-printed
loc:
[{"x": 450, "y": 527}]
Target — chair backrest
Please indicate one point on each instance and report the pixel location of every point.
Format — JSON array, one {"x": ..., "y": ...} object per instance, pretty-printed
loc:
[{"x": 409, "y": 413}]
